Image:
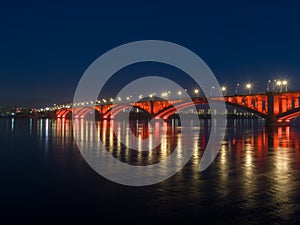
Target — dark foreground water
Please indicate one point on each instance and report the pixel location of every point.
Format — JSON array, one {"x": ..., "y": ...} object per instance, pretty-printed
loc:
[{"x": 255, "y": 179}]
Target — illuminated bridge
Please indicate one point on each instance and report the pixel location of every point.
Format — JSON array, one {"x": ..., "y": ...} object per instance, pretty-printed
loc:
[{"x": 276, "y": 108}]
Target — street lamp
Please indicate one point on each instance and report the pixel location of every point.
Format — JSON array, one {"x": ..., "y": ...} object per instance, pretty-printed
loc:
[
  {"x": 224, "y": 90},
  {"x": 212, "y": 90},
  {"x": 179, "y": 93},
  {"x": 249, "y": 87},
  {"x": 236, "y": 89},
  {"x": 196, "y": 91},
  {"x": 285, "y": 83},
  {"x": 274, "y": 82},
  {"x": 279, "y": 84},
  {"x": 268, "y": 85}
]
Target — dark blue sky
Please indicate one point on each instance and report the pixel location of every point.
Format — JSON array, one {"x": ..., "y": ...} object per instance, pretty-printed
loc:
[{"x": 46, "y": 47}]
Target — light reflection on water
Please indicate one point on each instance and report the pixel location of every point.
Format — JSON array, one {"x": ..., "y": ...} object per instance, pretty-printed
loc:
[{"x": 255, "y": 176}]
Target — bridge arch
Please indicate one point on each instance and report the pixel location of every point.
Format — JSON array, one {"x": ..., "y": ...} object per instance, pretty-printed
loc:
[
  {"x": 81, "y": 113},
  {"x": 63, "y": 113},
  {"x": 247, "y": 109},
  {"x": 166, "y": 113},
  {"x": 112, "y": 112},
  {"x": 289, "y": 115}
]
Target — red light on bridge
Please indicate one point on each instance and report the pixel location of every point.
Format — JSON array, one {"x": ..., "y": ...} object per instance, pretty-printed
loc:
[{"x": 279, "y": 121}]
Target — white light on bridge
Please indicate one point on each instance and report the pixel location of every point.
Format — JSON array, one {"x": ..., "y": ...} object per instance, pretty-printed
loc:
[
  {"x": 224, "y": 90},
  {"x": 249, "y": 87}
]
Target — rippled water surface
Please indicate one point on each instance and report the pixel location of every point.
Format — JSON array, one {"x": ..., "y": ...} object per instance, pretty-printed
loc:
[{"x": 255, "y": 178}]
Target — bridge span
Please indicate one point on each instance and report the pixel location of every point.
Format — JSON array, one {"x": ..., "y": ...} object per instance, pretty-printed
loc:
[{"x": 276, "y": 108}]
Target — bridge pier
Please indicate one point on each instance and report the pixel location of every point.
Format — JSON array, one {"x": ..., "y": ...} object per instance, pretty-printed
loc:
[{"x": 271, "y": 120}]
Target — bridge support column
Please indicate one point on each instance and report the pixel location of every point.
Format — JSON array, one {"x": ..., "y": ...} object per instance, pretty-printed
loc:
[
  {"x": 152, "y": 107},
  {"x": 271, "y": 118}
]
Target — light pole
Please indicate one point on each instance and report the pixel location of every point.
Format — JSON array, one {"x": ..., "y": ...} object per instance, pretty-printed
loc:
[
  {"x": 274, "y": 82},
  {"x": 224, "y": 90},
  {"x": 249, "y": 87},
  {"x": 236, "y": 89},
  {"x": 196, "y": 91},
  {"x": 268, "y": 85},
  {"x": 285, "y": 83},
  {"x": 279, "y": 84},
  {"x": 179, "y": 94},
  {"x": 212, "y": 90}
]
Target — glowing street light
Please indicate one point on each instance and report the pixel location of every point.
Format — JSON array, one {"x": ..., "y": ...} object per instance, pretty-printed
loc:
[
  {"x": 249, "y": 87},
  {"x": 179, "y": 94},
  {"x": 285, "y": 83},
  {"x": 212, "y": 90},
  {"x": 279, "y": 84},
  {"x": 196, "y": 91},
  {"x": 224, "y": 90},
  {"x": 268, "y": 85},
  {"x": 236, "y": 88}
]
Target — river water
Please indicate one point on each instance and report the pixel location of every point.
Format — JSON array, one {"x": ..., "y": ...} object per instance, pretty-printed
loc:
[{"x": 255, "y": 179}]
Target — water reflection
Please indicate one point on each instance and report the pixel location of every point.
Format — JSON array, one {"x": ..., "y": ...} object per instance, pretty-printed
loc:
[
  {"x": 248, "y": 144},
  {"x": 256, "y": 170}
]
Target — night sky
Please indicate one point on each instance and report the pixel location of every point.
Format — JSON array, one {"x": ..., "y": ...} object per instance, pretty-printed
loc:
[{"x": 46, "y": 47}]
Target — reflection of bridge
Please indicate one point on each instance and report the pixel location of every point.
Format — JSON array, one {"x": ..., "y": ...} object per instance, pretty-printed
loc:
[{"x": 274, "y": 107}]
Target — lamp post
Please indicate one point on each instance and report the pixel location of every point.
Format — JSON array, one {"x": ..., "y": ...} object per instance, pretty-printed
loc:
[
  {"x": 212, "y": 90},
  {"x": 268, "y": 85},
  {"x": 285, "y": 83},
  {"x": 249, "y": 87},
  {"x": 279, "y": 84},
  {"x": 224, "y": 90},
  {"x": 179, "y": 94},
  {"x": 274, "y": 82},
  {"x": 196, "y": 91},
  {"x": 236, "y": 89}
]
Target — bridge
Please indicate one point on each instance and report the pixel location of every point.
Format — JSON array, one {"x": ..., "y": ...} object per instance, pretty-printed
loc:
[{"x": 276, "y": 108}]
